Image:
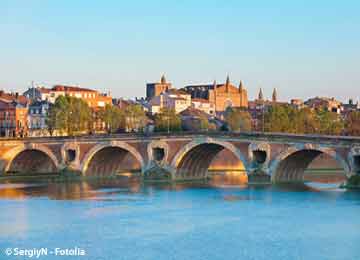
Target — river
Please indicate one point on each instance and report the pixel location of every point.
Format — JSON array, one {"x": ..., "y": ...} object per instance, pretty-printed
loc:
[{"x": 126, "y": 219}]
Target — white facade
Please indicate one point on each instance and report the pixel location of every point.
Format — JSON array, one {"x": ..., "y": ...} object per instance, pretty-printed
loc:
[
  {"x": 37, "y": 119},
  {"x": 172, "y": 100},
  {"x": 203, "y": 105}
]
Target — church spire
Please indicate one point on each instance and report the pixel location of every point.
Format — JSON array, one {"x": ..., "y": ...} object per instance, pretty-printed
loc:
[
  {"x": 163, "y": 79},
  {"x": 274, "y": 96},
  {"x": 261, "y": 95},
  {"x": 214, "y": 94},
  {"x": 227, "y": 83},
  {"x": 214, "y": 86},
  {"x": 241, "y": 87}
]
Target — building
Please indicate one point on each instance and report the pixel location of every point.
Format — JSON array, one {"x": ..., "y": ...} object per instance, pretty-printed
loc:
[
  {"x": 221, "y": 95},
  {"x": 329, "y": 104},
  {"x": 155, "y": 89},
  {"x": 203, "y": 105},
  {"x": 177, "y": 100},
  {"x": 13, "y": 115},
  {"x": 350, "y": 107},
  {"x": 121, "y": 103},
  {"x": 92, "y": 97},
  {"x": 37, "y": 116},
  {"x": 38, "y": 93}
]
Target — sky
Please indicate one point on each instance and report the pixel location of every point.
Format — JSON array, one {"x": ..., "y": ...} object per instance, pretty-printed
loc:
[{"x": 303, "y": 48}]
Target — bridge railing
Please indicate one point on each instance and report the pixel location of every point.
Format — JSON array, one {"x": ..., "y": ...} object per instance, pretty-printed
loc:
[{"x": 227, "y": 134}]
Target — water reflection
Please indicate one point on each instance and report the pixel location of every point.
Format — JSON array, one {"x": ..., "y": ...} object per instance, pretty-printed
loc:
[
  {"x": 224, "y": 218},
  {"x": 76, "y": 190},
  {"x": 229, "y": 178},
  {"x": 107, "y": 189}
]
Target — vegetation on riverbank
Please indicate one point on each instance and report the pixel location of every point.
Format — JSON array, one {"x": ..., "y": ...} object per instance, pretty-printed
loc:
[{"x": 353, "y": 182}]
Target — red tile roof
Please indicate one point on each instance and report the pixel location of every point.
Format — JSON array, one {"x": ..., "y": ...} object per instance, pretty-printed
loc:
[
  {"x": 71, "y": 88},
  {"x": 10, "y": 97}
]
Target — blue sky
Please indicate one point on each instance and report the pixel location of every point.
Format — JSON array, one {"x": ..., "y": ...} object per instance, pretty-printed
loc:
[{"x": 307, "y": 48}]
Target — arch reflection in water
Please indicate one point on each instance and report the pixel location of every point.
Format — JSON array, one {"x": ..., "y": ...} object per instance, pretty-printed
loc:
[
  {"x": 310, "y": 167},
  {"x": 228, "y": 178},
  {"x": 96, "y": 189}
]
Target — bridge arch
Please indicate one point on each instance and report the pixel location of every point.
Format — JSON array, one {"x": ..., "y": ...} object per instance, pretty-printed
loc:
[
  {"x": 291, "y": 164},
  {"x": 108, "y": 158},
  {"x": 34, "y": 158},
  {"x": 194, "y": 159}
]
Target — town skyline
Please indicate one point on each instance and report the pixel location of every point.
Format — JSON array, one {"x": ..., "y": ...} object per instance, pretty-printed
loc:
[
  {"x": 299, "y": 48},
  {"x": 253, "y": 92}
]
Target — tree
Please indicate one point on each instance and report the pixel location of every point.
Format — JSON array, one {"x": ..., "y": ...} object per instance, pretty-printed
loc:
[
  {"x": 195, "y": 123},
  {"x": 167, "y": 120},
  {"x": 51, "y": 120},
  {"x": 69, "y": 115},
  {"x": 135, "y": 118},
  {"x": 311, "y": 122},
  {"x": 203, "y": 123},
  {"x": 353, "y": 123},
  {"x": 302, "y": 121},
  {"x": 113, "y": 117},
  {"x": 284, "y": 118},
  {"x": 277, "y": 119},
  {"x": 330, "y": 123},
  {"x": 238, "y": 120}
]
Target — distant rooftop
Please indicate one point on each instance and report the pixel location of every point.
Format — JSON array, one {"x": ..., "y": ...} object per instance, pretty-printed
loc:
[
  {"x": 71, "y": 88},
  {"x": 13, "y": 97}
]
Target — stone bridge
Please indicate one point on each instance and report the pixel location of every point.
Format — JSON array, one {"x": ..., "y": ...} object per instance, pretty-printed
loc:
[{"x": 180, "y": 156}]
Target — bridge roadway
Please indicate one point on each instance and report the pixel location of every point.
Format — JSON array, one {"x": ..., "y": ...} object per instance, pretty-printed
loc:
[{"x": 177, "y": 156}]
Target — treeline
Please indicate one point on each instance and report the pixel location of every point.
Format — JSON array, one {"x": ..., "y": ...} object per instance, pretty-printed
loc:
[
  {"x": 311, "y": 121},
  {"x": 71, "y": 116},
  {"x": 287, "y": 119}
]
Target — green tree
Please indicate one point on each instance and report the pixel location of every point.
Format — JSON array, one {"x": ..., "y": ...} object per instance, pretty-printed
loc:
[
  {"x": 330, "y": 123},
  {"x": 203, "y": 123},
  {"x": 237, "y": 120},
  {"x": 302, "y": 121},
  {"x": 135, "y": 118},
  {"x": 69, "y": 115},
  {"x": 277, "y": 119},
  {"x": 167, "y": 120},
  {"x": 353, "y": 123},
  {"x": 284, "y": 118},
  {"x": 113, "y": 117},
  {"x": 311, "y": 122},
  {"x": 195, "y": 123}
]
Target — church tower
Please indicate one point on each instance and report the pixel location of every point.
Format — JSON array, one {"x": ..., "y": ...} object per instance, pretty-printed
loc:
[{"x": 155, "y": 89}]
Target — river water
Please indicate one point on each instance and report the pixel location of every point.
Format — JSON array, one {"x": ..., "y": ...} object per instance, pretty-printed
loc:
[{"x": 125, "y": 219}]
